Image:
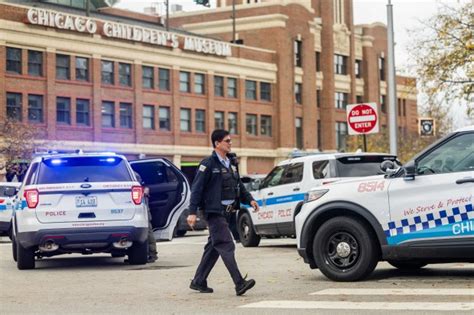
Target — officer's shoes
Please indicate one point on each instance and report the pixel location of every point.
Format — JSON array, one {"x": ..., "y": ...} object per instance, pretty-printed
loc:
[
  {"x": 152, "y": 259},
  {"x": 200, "y": 288},
  {"x": 244, "y": 286}
]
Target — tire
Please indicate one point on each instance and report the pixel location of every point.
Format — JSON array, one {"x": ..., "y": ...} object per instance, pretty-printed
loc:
[
  {"x": 25, "y": 257},
  {"x": 138, "y": 253},
  {"x": 248, "y": 237},
  {"x": 14, "y": 250},
  {"x": 345, "y": 250},
  {"x": 407, "y": 265}
]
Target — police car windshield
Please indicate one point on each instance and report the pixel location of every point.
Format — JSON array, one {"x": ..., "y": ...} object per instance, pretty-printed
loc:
[
  {"x": 83, "y": 169},
  {"x": 355, "y": 166},
  {"x": 7, "y": 191}
]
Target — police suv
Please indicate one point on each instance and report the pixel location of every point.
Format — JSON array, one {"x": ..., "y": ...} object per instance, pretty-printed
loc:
[
  {"x": 282, "y": 192},
  {"x": 79, "y": 203},
  {"x": 415, "y": 215},
  {"x": 8, "y": 191}
]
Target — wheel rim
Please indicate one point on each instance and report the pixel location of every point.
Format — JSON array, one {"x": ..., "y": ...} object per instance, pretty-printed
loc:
[
  {"x": 342, "y": 250},
  {"x": 245, "y": 228}
]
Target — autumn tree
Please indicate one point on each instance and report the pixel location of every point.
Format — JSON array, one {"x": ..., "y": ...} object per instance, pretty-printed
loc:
[{"x": 443, "y": 52}]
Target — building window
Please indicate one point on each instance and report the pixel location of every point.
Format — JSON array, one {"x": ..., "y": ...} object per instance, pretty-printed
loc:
[
  {"x": 35, "y": 108},
  {"x": 200, "y": 120},
  {"x": 266, "y": 125},
  {"x": 83, "y": 112},
  {"x": 14, "y": 60},
  {"x": 108, "y": 114},
  {"x": 165, "y": 118},
  {"x": 126, "y": 115},
  {"x": 219, "y": 120},
  {"x": 199, "y": 84},
  {"x": 358, "y": 68},
  {"x": 265, "y": 91},
  {"x": 319, "y": 136},
  {"x": 250, "y": 90},
  {"x": 125, "y": 74},
  {"x": 342, "y": 99},
  {"x": 63, "y": 67},
  {"x": 251, "y": 124},
  {"x": 232, "y": 87},
  {"x": 164, "y": 77},
  {"x": 341, "y": 132},
  {"x": 107, "y": 72},
  {"x": 382, "y": 68},
  {"x": 383, "y": 105},
  {"x": 318, "y": 98},
  {"x": 185, "y": 120},
  {"x": 404, "y": 107},
  {"x": 399, "y": 105},
  {"x": 14, "y": 106},
  {"x": 299, "y": 132},
  {"x": 232, "y": 123},
  {"x": 218, "y": 86},
  {"x": 298, "y": 53},
  {"x": 318, "y": 61},
  {"x": 184, "y": 82},
  {"x": 298, "y": 92},
  {"x": 148, "y": 117},
  {"x": 340, "y": 64},
  {"x": 359, "y": 99},
  {"x": 63, "y": 110},
  {"x": 148, "y": 77},
  {"x": 82, "y": 69},
  {"x": 35, "y": 63}
]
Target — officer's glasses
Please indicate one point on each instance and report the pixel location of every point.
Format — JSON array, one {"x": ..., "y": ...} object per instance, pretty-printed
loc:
[{"x": 229, "y": 141}]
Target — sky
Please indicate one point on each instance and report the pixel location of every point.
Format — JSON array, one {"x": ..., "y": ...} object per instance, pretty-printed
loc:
[{"x": 407, "y": 15}]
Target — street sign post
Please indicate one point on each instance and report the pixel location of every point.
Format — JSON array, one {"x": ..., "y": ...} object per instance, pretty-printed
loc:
[{"x": 362, "y": 119}]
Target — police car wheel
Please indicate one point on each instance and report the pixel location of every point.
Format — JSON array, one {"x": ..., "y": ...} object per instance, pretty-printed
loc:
[
  {"x": 407, "y": 265},
  {"x": 138, "y": 253},
  {"x": 14, "y": 248},
  {"x": 25, "y": 257},
  {"x": 345, "y": 250},
  {"x": 247, "y": 234}
]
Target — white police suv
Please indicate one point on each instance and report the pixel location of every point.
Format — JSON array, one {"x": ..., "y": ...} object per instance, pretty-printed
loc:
[
  {"x": 79, "y": 203},
  {"x": 8, "y": 191},
  {"x": 282, "y": 192},
  {"x": 419, "y": 214}
]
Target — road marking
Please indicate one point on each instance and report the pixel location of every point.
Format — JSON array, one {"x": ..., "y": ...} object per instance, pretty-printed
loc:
[
  {"x": 345, "y": 305},
  {"x": 371, "y": 292}
]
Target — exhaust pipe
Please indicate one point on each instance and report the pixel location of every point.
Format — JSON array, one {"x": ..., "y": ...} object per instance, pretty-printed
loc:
[
  {"x": 48, "y": 246},
  {"x": 122, "y": 244}
]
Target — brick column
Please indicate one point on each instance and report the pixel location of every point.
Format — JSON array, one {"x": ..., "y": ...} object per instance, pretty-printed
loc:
[
  {"x": 50, "y": 99},
  {"x": 138, "y": 101},
  {"x": 96, "y": 104}
]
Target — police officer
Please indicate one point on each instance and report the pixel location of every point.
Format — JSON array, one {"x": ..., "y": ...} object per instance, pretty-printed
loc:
[{"x": 217, "y": 189}]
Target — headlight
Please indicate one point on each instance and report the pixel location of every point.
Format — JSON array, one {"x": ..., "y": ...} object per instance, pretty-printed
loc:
[{"x": 313, "y": 195}]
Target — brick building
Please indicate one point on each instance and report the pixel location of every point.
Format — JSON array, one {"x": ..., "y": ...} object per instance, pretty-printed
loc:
[{"x": 118, "y": 80}]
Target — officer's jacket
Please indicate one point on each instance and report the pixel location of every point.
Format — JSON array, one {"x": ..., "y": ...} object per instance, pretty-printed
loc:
[{"x": 206, "y": 191}]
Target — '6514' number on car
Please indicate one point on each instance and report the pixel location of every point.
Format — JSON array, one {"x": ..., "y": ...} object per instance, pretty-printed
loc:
[{"x": 371, "y": 186}]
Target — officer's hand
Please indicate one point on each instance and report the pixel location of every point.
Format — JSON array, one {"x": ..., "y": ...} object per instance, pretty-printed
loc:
[
  {"x": 254, "y": 205},
  {"x": 191, "y": 220}
]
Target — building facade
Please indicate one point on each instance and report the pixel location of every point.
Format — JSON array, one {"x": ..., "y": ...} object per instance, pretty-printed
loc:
[{"x": 116, "y": 80}]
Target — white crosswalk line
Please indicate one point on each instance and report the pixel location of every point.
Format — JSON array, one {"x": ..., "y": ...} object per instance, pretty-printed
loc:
[
  {"x": 345, "y": 305},
  {"x": 371, "y": 292}
]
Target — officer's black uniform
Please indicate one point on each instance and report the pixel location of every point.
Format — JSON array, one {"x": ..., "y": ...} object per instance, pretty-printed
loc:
[{"x": 213, "y": 184}]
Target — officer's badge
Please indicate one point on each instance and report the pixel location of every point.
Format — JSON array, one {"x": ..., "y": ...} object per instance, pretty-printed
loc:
[{"x": 202, "y": 168}]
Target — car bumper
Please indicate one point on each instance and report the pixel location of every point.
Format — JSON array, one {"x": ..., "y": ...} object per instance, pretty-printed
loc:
[{"x": 82, "y": 236}]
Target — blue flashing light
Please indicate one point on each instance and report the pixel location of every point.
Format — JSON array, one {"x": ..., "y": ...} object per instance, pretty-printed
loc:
[
  {"x": 110, "y": 160},
  {"x": 56, "y": 161}
]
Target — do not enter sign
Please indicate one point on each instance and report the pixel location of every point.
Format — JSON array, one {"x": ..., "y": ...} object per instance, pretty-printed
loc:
[{"x": 362, "y": 118}]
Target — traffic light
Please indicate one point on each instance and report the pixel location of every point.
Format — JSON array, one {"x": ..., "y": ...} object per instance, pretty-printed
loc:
[
  {"x": 426, "y": 127},
  {"x": 203, "y": 2}
]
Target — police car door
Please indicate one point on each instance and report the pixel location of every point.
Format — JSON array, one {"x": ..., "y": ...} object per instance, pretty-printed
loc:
[
  {"x": 436, "y": 207},
  {"x": 264, "y": 219},
  {"x": 286, "y": 196}
]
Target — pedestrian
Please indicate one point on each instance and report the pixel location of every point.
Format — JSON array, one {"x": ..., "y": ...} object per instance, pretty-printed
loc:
[{"x": 217, "y": 189}]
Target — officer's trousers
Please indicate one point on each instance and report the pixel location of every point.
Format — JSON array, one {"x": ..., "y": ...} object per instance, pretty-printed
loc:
[{"x": 219, "y": 243}]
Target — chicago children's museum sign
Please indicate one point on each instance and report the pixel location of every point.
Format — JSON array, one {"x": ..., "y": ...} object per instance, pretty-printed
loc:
[{"x": 123, "y": 31}]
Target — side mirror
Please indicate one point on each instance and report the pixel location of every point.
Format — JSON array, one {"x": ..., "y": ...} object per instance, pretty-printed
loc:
[
  {"x": 10, "y": 191},
  {"x": 387, "y": 164},
  {"x": 410, "y": 170}
]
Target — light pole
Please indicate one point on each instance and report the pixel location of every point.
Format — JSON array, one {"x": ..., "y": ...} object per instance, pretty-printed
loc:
[{"x": 391, "y": 83}]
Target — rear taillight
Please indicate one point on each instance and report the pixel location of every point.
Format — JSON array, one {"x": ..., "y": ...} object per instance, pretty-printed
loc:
[
  {"x": 32, "y": 198},
  {"x": 137, "y": 194},
  {"x": 2, "y": 200}
]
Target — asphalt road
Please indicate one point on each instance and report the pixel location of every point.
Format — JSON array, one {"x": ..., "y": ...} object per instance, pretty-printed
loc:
[{"x": 285, "y": 285}]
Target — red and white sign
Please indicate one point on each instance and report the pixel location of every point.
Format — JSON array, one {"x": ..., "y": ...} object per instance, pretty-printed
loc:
[{"x": 362, "y": 118}]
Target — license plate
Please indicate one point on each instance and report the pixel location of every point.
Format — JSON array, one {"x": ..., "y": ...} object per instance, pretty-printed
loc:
[{"x": 88, "y": 201}]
